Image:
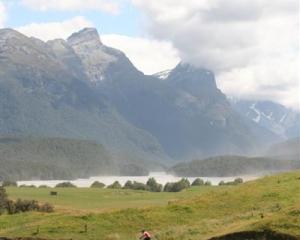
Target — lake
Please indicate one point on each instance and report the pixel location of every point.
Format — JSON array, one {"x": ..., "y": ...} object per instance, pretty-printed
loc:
[{"x": 161, "y": 177}]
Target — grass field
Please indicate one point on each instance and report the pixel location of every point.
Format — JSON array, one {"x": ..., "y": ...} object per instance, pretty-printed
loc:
[{"x": 197, "y": 213}]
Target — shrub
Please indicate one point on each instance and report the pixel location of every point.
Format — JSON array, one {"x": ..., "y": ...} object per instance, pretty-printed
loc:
[
  {"x": 97, "y": 184},
  {"x": 177, "y": 186},
  {"x": 115, "y": 185},
  {"x": 11, "y": 207},
  {"x": 46, "y": 207},
  {"x": 139, "y": 186},
  {"x": 198, "y": 182},
  {"x": 3, "y": 200},
  {"x": 9, "y": 184},
  {"x": 136, "y": 186},
  {"x": 238, "y": 180},
  {"x": 43, "y": 186},
  {"x": 27, "y": 205},
  {"x": 65, "y": 185},
  {"x": 153, "y": 185},
  {"x": 235, "y": 182}
]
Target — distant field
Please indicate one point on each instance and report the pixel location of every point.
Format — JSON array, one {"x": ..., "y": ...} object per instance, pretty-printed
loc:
[
  {"x": 199, "y": 213},
  {"x": 100, "y": 200}
]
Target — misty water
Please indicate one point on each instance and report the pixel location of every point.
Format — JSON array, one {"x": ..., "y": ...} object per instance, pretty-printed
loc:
[{"x": 161, "y": 177}]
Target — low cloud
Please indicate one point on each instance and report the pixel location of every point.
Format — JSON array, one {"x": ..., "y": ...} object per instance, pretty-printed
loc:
[
  {"x": 109, "y": 6},
  {"x": 149, "y": 56},
  {"x": 252, "y": 45},
  {"x": 53, "y": 30}
]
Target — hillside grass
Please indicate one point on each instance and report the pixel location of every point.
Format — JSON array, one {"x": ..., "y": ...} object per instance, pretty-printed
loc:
[{"x": 198, "y": 213}]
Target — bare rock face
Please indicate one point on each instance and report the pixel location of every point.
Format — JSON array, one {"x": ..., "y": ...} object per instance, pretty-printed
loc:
[{"x": 93, "y": 54}]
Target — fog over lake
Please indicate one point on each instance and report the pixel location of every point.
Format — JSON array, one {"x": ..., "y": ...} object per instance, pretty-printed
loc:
[{"x": 161, "y": 177}]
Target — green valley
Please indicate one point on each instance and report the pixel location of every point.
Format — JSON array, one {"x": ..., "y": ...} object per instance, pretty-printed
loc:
[{"x": 271, "y": 203}]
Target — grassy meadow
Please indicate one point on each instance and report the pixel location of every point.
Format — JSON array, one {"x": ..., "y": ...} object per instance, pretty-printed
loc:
[{"x": 197, "y": 213}]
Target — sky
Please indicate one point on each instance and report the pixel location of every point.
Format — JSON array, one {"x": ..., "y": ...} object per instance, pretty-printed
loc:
[{"x": 251, "y": 45}]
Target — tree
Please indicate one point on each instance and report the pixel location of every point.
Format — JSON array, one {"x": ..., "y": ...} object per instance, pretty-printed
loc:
[
  {"x": 153, "y": 185},
  {"x": 238, "y": 180},
  {"x": 128, "y": 185},
  {"x": 177, "y": 186},
  {"x": 198, "y": 182},
  {"x": 97, "y": 184},
  {"x": 115, "y": 185}
]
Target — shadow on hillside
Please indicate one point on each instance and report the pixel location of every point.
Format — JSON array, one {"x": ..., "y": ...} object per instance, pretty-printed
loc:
[{"x": 254, "y": 235}]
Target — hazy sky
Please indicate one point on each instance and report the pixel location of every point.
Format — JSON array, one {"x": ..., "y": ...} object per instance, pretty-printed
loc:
[{"x": 251, "y": 45}]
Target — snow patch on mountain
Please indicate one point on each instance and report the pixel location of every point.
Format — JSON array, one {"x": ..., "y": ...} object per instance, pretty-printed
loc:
[{"x": 163, "y": 74}]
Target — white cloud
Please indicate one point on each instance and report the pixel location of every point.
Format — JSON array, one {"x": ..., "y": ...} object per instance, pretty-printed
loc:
[
  {"x": 110, "y": 6},
  {"x": 2, "y": 15},
  {"x": 150, "y": 56},
  {"x": 52, "y": 30},
  {"x": 252, "y": 45}
]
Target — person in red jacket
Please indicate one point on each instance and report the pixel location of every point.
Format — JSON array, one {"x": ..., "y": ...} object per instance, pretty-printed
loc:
[{"x": 145, "y": 235}]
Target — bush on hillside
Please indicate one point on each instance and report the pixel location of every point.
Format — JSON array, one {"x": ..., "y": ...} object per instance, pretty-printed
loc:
[
  {"x": 27, "y": 206},
  {"x": 97, "y": 184},
  {"x": 65, "y": 185},
  {"x": 198, "y": 182},
  {"x": 115, "y": 185}
]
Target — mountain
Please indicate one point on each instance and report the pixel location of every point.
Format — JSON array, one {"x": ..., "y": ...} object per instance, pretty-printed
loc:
[
  {"x": 270, "y": 115},
  {"x": 45, "y": 92},
  {"x": 81, "y": 89},
  {"x": 186, "y": 112},
  {"x": 223, "y": 166}
]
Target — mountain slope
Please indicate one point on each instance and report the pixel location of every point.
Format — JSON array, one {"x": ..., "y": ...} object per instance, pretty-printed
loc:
[
  {"x": 53, "y": 158},
  {"x": 41, "y": 95}
]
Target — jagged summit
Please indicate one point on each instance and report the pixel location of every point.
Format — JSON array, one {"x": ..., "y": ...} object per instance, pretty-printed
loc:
[{"x": 86, "y": 35}]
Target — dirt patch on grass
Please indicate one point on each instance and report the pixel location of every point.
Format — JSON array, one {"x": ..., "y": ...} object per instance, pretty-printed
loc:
[{"x": 253, "y": 235}]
